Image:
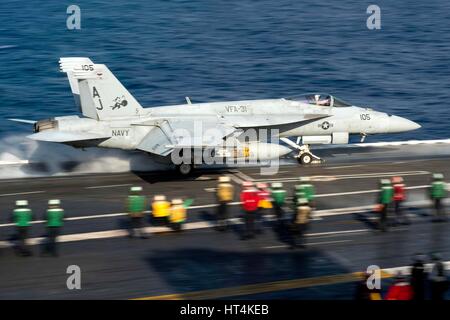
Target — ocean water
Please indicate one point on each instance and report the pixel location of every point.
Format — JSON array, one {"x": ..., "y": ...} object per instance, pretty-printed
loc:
[{"x": 212, "y": 50}]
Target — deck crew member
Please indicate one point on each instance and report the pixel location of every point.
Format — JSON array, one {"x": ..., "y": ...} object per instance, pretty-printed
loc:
[
  {"x": 438, "y": 194},
  {"x": 225, "y": 194},
  {"x": 300, "y": 222},
  {"x": 54, "y": 218},
  {"x": 278, "y": 196},
  {"x": 22, "y": 216},
  {"x": 249, "y": 200},
  {"x": 264, "y": 204},
  {"x": 399, "y": 197},
  {"x": 177, "y": 214},
  {"x": 136, "y": 212},
  {"x": 160, "y": 210},
  {"x": 385, "y": 200}
]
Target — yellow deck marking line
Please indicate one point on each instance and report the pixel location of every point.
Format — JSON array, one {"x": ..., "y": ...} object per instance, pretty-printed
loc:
[
  {"x": 283, "y": 285},
  {"x": 263, "y": 287}
]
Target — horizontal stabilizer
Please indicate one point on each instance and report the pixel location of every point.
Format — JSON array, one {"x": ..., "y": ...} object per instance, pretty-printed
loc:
[
  {"x": 23, "y": 121},
  {"x": 65, "y": 136}
]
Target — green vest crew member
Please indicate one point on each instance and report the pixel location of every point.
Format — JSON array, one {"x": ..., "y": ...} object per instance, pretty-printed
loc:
[
  {"x": 304, "y": 191},
  {"x": 225, "y": 194},
  {"x": 136, "y": 211},
  {"x": 437, "y": 193},
  {"x": 22, "y": 217},
  {"x": 278, "y": 195},
  {"x": 386, "y": 197},
  {"x": 54, "y": 218}
]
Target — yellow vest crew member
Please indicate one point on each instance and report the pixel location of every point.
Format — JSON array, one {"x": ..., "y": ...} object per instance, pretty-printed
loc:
[
  {"x": 54, "y": 218},
  {"x": 225, "y": 195},
  {"x": 160, "y": 210},
  {"x": 177, "y": 214},
  {"x": 136, "y": 212}
]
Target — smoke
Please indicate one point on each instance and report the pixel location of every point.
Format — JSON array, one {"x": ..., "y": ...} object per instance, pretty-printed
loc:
[{"x": 51, "y": 159}]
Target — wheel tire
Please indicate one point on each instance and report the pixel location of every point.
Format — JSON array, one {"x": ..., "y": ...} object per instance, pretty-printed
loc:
[
  {"x": 185, "y": 169},
  {"x": 306, "y": 158}
]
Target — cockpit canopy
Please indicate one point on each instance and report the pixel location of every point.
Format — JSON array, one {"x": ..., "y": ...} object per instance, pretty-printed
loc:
[{"x": 321, "y": 99}]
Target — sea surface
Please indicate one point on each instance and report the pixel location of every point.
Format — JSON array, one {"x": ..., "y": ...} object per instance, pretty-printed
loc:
[{"x": 213, "y": 50}]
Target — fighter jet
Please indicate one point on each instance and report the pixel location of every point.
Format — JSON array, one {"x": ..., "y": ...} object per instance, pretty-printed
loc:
[{"x": 113, "y": 118}]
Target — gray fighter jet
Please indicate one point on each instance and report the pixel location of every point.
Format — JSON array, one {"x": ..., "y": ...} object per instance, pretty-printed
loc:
[{"x": 113, "y": 118}]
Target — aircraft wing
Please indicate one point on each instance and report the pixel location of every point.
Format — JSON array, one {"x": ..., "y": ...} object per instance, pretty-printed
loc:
[
  {"x": 65, "y": 136},
  {"x": 172, "y": 133}
]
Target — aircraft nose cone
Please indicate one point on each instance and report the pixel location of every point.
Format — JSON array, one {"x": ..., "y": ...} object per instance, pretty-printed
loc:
[{"x": 399, "y": 124}]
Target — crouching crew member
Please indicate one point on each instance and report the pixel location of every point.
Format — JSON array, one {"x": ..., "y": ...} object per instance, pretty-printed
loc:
[
  {"x": 437, "y": 195},
  {"x": 160, "y": 210},
  {"x": 300, "y": 223},
  {"x": 225, "y": 193},
  {"x": 136, "y": 212},
  {"x": 22, "y": 217},
  {"x": 177, "y": 214},
  {"x": 54, "y": 218},
  {"x": 249, "y": 199}
]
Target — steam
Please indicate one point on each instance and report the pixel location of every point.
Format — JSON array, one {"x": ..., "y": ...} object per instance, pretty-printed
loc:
[{"x": 51, "y": 159}]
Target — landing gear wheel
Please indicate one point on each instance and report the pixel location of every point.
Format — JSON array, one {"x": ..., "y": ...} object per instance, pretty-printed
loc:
[
  {"x": 305, "y": 158},
  {"x": 185, "y": 169}
]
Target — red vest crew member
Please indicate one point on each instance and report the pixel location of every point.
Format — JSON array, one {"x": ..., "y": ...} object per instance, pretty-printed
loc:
[
  {"x": 249, "y": 198},
  {"x": 399, "y": 196}
]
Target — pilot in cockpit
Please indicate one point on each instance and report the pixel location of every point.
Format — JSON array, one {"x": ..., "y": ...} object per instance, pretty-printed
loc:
[{"x": 322, "y": 100}]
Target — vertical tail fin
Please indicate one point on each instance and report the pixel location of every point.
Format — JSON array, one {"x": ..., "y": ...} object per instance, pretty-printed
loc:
[{"x": 100, "y": 95}]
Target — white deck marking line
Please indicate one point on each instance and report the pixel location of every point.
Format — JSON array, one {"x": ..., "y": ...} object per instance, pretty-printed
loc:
[
  {"x": 20, "y": 193},
  {"x": 235, "y": 179},
  {"x": 352, "y": 176},
  {"x": 342, "y": 167},
  {"x": 243, "y": 176},
  {"x": 110, "y": 186},
  {"x": 118, "y": 233},
  {"x": 363, "y": 191},
  {"x": 308, "y": 244}
]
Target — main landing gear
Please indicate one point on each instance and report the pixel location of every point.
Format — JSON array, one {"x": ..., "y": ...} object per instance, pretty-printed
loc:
[
  {"x": 185, "y": 169},
  {"x": 304, "y": 156}
]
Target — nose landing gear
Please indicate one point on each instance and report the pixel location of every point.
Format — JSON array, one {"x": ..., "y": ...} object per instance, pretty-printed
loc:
[{"x": 304, "y": 156}]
